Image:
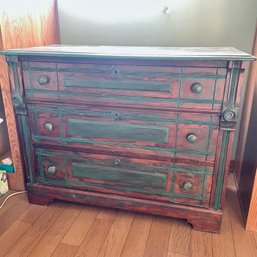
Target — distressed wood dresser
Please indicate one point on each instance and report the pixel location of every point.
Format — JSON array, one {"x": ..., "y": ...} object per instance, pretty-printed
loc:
[{"x": 138, "y": 128}]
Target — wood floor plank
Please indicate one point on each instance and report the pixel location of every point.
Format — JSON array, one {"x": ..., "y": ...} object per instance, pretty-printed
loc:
[
  {"x": 53, "y": 236},
  {"x": 32, "y": 213},
  {"x": 117, "y": 235},
  {"x": 12, "y": 235},
  {"x": 244, "y": 241},
  {"x": 107, "y": 214},
  {"x": 201, "y": 244},
  {"x": 14, "y": 212},
  {"x": 65, "y": 250},
  {"x": 31, "y": 238},
  {"x": 95, "y": 238},
  {"x": 180, "y": 237},
  {"x": 80, "y": 227},
  {"x": 172, "y": 254},
  {"x": 158, "y": 240},
  {"x": 138, "y": 236},
  {"x": 223, "y": 245}
]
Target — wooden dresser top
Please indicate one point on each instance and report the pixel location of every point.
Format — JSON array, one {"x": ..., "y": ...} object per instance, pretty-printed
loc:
[{"x": 169, "y": 53}]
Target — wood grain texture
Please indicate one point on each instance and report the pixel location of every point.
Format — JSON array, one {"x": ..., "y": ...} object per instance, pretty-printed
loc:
[
  {"x": 223, "y": 245},
  {"x": 33, "y": 236},
  {"x": 158, "y": 241},
  {"x": 180, "y": 237},
  {"x": 22, "y": 31},
  {"x": 50, "y": 241},
  {"x": 137, "y": 237},
  {"x": 206, "y": 219},
  {"x": 242, "y": 239},
  {"x": 96, "y": 236},
  {"x": 65, "y": 250},
  {"x": 119, "y": 232},
  {"x": 246, "y": 158},
  {"x": 37, "y": 222},
  {"x": 66, "y": 161},
  {"x": 251, "y": 223},
  {"x": 81, "y": 225}
]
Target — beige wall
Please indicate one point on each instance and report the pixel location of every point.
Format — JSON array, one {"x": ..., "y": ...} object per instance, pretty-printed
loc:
[{"x": 142, "y": 22}]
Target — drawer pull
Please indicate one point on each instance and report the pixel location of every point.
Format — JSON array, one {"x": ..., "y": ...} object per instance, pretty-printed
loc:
[
  {"x": 48, "y": 126},
  {"x": 197, "y": 88},
  {"x": 188, "y": 185},
  {"x": 117, "y": 162},
  {"x": 52, "y": 169},
  {"x": 191, "y": 138},
  {"x": 43, "y": 80}
]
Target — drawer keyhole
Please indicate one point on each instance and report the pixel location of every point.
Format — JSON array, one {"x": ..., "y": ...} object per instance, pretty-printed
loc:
[
  {"x": 115, "y": 72},
  {"x": 117, "y": 162},
  {"x": 116, "y": 115}
]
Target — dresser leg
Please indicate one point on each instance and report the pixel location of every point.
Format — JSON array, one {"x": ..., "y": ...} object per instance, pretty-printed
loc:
[
  {"x": 40, "y": 200},
  {"x": 205, "y": 225}
]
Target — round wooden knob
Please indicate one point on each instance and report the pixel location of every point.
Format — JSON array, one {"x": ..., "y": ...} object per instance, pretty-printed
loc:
[
  {"x": 188, "y": 185},
  {"x": 43, "y": 80},
  {"x": 48, "y": 126},
  {"x": 191, "y": 138},
  {"x": 52, "y": 169},
  {"x": 197, "y": 88}
]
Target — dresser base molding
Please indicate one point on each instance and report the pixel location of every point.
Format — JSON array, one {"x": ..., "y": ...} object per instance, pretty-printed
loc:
[{"x": 201, "y": 219}]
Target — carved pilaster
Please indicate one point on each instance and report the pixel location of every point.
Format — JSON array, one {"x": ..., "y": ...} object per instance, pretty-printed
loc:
[
  {"x": 16, "y": 85},
  {"x": 229, "y": 116}
]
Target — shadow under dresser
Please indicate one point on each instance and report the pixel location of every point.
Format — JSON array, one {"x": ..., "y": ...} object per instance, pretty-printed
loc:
[{"x": 137, "y": 128}]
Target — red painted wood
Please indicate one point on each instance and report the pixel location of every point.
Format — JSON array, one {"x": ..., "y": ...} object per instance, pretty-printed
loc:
[
  {"x": 86, "y": 113},
  {"x": 205, "y": 220}
]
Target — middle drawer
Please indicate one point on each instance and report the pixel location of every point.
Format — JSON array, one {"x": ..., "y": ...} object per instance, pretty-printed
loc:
[{"x": 130, "y": 132}]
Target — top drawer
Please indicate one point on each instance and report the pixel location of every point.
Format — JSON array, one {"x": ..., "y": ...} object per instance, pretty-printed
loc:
[{"x": 148, "y": 86}]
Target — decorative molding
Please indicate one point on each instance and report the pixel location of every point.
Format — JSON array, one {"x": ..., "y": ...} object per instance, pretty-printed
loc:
[{"x": 229, "y": 116}]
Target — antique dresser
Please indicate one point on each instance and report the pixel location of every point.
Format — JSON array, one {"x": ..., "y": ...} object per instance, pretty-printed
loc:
[{"x": 138, "y": 128}]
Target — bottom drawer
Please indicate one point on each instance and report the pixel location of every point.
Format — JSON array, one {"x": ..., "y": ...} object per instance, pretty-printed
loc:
[{"x": 140, "y": 178}]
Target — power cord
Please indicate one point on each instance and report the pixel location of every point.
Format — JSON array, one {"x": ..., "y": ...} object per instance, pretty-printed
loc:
[{"x": 11, "y": 195}]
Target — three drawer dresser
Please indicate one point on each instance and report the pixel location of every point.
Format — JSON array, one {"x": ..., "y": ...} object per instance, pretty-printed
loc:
[{"x": 137, "y": 128}]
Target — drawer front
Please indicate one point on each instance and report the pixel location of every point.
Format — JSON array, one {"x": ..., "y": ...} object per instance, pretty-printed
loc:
[
  {"x": 153, "y": 134},
  {"x": 148, "y": 86},
  {"x": 126, "y": 176}
]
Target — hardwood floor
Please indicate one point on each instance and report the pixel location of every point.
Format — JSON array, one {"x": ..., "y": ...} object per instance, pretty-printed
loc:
[{"x": 67, "y": 230}]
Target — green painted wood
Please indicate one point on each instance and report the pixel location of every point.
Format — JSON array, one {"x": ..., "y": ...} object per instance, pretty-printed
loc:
[
  {"x": 132, "y": 52},
  {"x": 168, "y": 75},
  {"x": 65, "y": 141},
  {"x": 115, "y": 130},
  {"x": 118, "y": 84},
  {"x": 23, "y": 123},
  {"x": 124, "y": 114},
  {"x": 79, "y": 157},
  {"x": 119, "y": 176},
  {"x": 131, "y": 99},
  {"x": 221, "y": 169}
]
